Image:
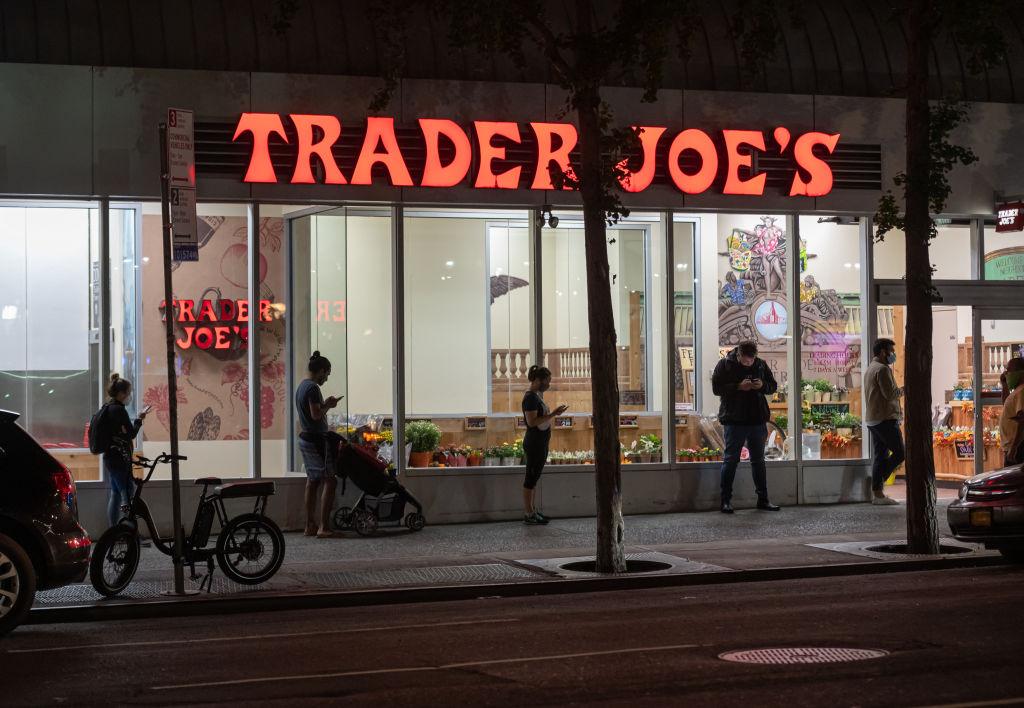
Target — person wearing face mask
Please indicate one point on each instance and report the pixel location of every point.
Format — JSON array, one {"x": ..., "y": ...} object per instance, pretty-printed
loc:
[
  {"x": 538, "y": 436},
  {"x": 882, "y": 416},
  {"x": 743, "y": 381},
  {"x": 121, "y": 432},
  {"x": 311, "y": 409},
  {"x": 1011, "y": 432}
]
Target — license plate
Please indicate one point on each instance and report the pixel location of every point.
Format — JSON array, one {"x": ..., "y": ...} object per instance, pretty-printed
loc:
[{"x": 981, "y": 517}]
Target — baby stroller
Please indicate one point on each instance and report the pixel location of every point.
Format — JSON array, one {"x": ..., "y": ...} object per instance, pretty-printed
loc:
[{"x": 383, "y": 499}]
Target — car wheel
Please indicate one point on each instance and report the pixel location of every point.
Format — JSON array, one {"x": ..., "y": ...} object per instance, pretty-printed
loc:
[
  {"x": 1014, "y": 554},
  {"x": 17, "y": 584}
]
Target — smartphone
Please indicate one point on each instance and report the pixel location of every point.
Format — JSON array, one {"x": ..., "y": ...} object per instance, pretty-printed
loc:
[{"x": 147, "y": 409}]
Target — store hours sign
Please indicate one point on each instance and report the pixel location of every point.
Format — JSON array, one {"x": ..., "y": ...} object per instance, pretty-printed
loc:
[{"x": 480, "y": 155}]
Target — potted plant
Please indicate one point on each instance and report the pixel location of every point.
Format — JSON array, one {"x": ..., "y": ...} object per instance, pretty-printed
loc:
[
  {"x": 631, "y": 454},
  {"x": 475, "y": 458},
  {"x": 846, "y": 424},
  {"x": 507, "y": 452},
  {"x": 782, "y": 420},
  {"x": 492, "y": 456},
  {"x": 424, "y": 437},
  {"x": 822, "y": 391},
  {"x": 650, "y": 448}
]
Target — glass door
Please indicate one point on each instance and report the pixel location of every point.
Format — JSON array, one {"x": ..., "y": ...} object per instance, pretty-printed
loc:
[
  {"x": 1001, "y": 347},
  {"x": 319, "y": 279}
]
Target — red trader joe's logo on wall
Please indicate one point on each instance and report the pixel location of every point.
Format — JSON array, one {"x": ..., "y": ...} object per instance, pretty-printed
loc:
[{"x": 446, "y": 154}]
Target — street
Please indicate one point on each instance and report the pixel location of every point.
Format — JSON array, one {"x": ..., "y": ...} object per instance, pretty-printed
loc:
[{"x": 953, "y": 638}]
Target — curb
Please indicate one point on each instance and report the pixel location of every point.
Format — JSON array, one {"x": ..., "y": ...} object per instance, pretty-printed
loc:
[{"x": 277, "y": 601}]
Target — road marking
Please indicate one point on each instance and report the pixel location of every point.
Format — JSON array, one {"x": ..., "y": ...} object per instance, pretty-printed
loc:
[
  {"x": 412, "y": 669},
  {"x": 982, "y": 704},
  {"x": 283, "y": 635}
]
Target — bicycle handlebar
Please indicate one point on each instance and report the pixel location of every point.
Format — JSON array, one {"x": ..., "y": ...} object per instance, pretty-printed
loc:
[{"x": 162, "y": 457}]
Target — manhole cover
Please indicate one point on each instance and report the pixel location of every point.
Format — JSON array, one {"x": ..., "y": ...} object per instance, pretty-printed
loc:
[
  {"x": 801, "y": 655},
  {"x": 632, "y": 566}
]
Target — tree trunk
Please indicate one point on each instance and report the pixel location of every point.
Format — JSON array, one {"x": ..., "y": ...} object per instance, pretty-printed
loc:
[
  {"x": 603, "y": 360},
  {"x": 922, "y": 529}
]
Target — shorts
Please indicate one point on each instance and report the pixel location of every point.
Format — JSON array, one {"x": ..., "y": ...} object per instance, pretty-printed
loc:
[{"x": 313, "y": 461}]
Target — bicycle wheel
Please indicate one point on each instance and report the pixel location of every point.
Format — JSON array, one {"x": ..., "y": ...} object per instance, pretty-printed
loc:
[
  {"x": 250, "y": 549},
  {"x": 115, "y": 558}
]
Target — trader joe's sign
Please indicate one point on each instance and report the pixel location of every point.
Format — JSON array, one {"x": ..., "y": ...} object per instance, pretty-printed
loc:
[{"x": 443, "y": 153}]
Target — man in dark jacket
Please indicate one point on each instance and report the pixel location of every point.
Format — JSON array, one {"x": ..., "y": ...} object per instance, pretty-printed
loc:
[{"x": 743, "y": 382}]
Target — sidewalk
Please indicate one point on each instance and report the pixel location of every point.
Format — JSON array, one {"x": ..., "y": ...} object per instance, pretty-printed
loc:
[{"x": 483, "y": 558}]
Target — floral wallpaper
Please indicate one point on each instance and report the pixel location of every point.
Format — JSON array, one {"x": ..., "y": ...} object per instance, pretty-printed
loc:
[{"x": 213, "y": 384}]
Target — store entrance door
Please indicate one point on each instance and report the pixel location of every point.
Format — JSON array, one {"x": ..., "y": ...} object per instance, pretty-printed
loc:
[
  {"x": 1000, "y": 338},
  {"x": 986, "y": 331}
]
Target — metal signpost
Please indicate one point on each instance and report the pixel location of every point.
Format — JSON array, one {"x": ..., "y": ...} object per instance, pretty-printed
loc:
[{"x": 178, "y": 207}]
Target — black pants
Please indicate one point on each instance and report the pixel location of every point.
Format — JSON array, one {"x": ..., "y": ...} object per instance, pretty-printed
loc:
[
  {"x": 754, "y": 437},
  {"x": 889, "y": 453},
  {"x": 535, "y": 449}
]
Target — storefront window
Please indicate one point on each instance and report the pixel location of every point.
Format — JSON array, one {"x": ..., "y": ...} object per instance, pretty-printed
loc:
[
  {"x": 950, "y": 252},
  {"x": 744, "y": 295},
  {"x": 830, "y": 338},
  {"x": 212, "y": 318},
  {"x": 1004, "y": 254},
  {"x": 633, "y": 246},
  {"x": 124, "y": 277},
  {"x": 684, "y": 361},
  {"x": 467, "y": 327},
  {"x": 49, "y": 361}
]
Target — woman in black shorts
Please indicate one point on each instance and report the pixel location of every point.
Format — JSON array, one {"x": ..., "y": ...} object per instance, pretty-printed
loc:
[{"x": 538, "y": 436}]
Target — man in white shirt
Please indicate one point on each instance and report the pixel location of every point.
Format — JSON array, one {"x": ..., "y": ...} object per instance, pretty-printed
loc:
[{"x": 882, "y": 416}]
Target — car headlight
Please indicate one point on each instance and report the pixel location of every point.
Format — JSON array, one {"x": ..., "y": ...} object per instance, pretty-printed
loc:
[{"x": 963, "y": 492}]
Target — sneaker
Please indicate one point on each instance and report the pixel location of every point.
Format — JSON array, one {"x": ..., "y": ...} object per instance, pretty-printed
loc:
[
  {"x": 532, "y": 519},
  {"x": 765, "y": 505},
  {"x": 726, "y": 508},
  {"x": 884, "y": 501},
  {"x": 540, "y": 517}
]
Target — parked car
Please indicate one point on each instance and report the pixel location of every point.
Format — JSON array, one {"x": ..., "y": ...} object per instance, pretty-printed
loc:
[
  {"x": 42, "y": 545},
  {"x": 990, "y": 511}
]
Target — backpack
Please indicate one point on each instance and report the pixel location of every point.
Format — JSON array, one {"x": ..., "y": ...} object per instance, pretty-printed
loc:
[{"x": 99, "y": 432}]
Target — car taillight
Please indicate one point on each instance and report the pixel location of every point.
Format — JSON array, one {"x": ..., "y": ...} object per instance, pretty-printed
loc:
[
  {"x": 64, "y": 482},
  {"x": 79, "y": 542}
]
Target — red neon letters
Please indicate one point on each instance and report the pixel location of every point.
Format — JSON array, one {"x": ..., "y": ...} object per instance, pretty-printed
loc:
[
  {"x": 448, "y": 155},
  {"x": 215, "y": 324},
  {"x": 331, "y": 127},
  {"x": 261, "y": 125},
  {"x": 434, "y": 173},
  {"x": 820, "y": 183},
  {"x": 381, "y": 131}
]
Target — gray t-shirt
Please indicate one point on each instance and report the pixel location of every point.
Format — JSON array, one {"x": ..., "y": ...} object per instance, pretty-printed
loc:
[{"x": 308, "y": 392}]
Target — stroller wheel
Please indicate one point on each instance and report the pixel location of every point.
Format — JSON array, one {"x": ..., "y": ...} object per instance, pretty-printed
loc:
[
  {"x": 365, "y": 522},
  {"x": 343, "y": 518},
  {"x": 415, "y": 521}
]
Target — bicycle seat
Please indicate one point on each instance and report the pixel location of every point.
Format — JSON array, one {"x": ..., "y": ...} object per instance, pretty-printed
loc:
[
  {"x": 232, "y": 490},
  {"x": 208, "y": 480}
]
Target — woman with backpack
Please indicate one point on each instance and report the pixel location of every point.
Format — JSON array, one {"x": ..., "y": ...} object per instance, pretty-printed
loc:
[{"x": 118, "y": 433}]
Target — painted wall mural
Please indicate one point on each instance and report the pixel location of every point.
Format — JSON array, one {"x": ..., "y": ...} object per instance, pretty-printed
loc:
[{"x": 212, "y": 317}]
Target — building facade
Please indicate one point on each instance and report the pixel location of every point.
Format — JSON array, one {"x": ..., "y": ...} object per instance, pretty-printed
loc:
[{"x": 432, "y": 288}]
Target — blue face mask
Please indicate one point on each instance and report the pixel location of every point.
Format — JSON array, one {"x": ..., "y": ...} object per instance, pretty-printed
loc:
[
  {"x": 892, "y": 358},
  {"x": 1014, "y": 378}
]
